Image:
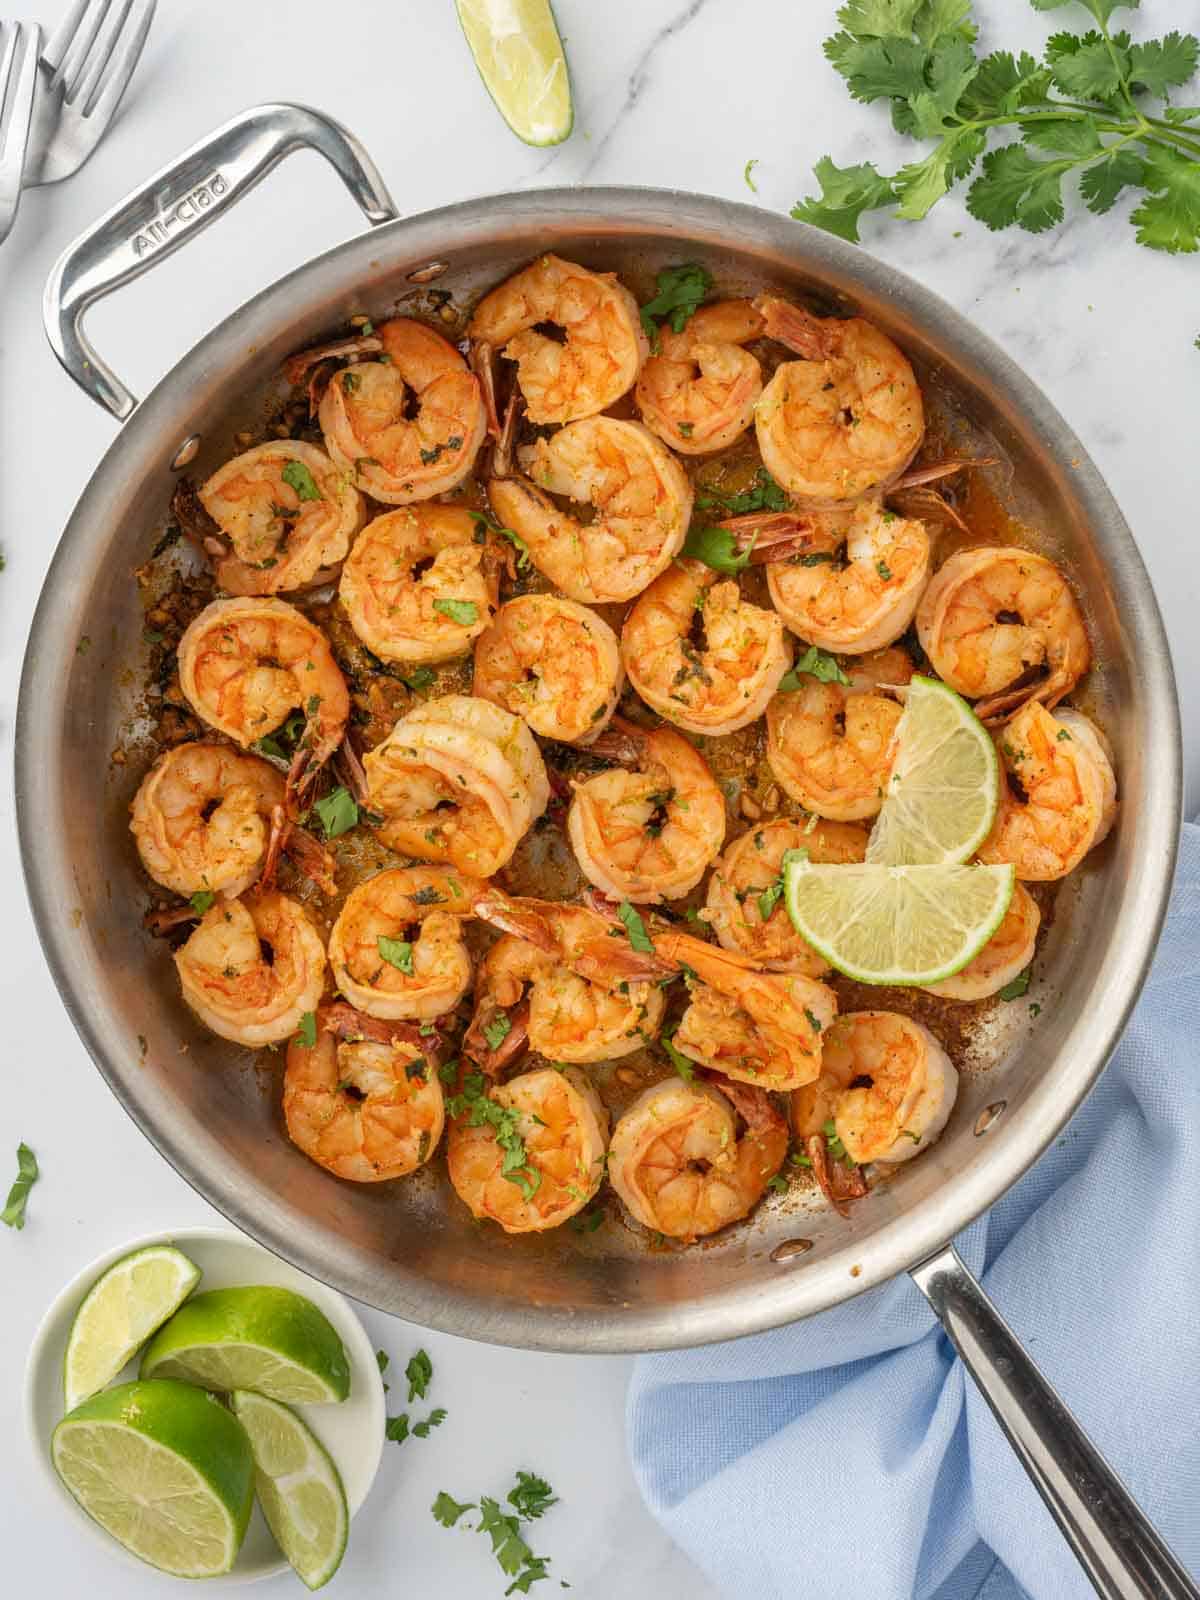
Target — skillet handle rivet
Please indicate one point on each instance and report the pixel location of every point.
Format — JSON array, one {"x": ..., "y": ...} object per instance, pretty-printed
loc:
[
  {"x": 186, "y": 453},
  {"x": 988, "y": 1115},
  {"x": 790, "y": 1249}
]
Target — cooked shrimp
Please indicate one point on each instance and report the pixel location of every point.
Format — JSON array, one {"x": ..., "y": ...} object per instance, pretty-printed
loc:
[
  {"x": 288, "y": 514},
  {"x": 201, "y": 818},
  {"x": 364, "y": 1108},
  {"x": 1004, "y": 957},
  {"x": 992, "y": 617},
  {"x": 886, "y": 1084},
  {"x": 846, "y": 419},
  {"x": 603, "y": 349},
  {"x": 397, "y": 946},
  {"x": 457, "y": 780},
  {"x": 1097, "y": 745},
  {"x": 745, "y": 909},
  {"x": 553, "y": 663},
  {"x": 570, "y": 1000},
  {"x": 1056, "y": 803},
  {"x": 418, "y": 586},
  {"x": 561, "y": 1130},
  {"x": 649, "y": 833},
  {"x": 831, "y": 745},
  {"x": 640, "y": 495},
  {"x": 714, "y": 684},
  {"x": 368, "y": 432},
  {"x": 868, "y": 601},
  {"x": 253, "y": 967},
  {"x": 699, "y": 389},
  {"x": 679, "y": 1164},
  {"x": 245, "y": 664}
]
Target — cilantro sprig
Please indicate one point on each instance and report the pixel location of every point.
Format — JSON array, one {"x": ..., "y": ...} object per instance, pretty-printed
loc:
[
  {"x": 1097, "y": 106},
  {"x": 680, "y": 291},
  {"x": 530, "y": 1497},
  {"x": 482, "y": 1111}
]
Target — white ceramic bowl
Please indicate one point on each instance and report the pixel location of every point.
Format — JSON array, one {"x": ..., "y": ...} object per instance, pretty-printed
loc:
[{"x": 352, "y": 1432}]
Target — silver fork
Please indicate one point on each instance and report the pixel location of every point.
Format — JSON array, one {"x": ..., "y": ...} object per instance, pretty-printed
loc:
[
  {"x": 20, "y": 43},
  {"x": 85, "y": 69}
]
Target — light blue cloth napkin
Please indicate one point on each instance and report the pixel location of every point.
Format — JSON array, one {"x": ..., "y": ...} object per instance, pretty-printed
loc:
[{"x": 851, "y": 1455}]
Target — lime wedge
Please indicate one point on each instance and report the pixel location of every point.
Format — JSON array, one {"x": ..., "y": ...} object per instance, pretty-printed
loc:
[
  {"x": 945, "y": 786},
  {"x": 901, "y": 925},
  {"x": 165, "y": 1469},
  {"x": 520, "y": 59},
  {"x": 299, "y": 1489},
  {"x": 119, "y": 1313},
  {"x": 271, "y": 1340}
]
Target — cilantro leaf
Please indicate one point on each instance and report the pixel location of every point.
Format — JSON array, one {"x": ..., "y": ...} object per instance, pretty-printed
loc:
[
  {"x": 1003, "y": 83},
  {"x": 202, "y": 901},
  {"x": 418, "y": 1372},
  {"x": 306, "y": 1033},
  {"x": 508, "y": 1547},
  {"x": 639, "y": 939},
  {"x": 680, "y": 291},
  {"x": 1080, "y": 137},
  {"x": 884, "y": 19},
  {"x": 497, "y": 1030},
  {"x": 716, "y": 547},
  {"x": 282, "y": 743},
  {"x": 297, "y": 476},
  {"x": 1088, "y": 66},
  {"x": 813, "y": 663},
  {"x": 397, "y": 953},
  {"x": 1102, "y": 10},
  {"x": 921, "y": 184},
  {"x": 338, "y": 812},
  {"x": 532, "y": 1496},
  {"x": 13, "y": 1214},
  {"x": 447, "y": 1510},
  {"x": 395, "y": 1429},
  {"x": 1015, "y": 988},
  {"x": 945, "y": 19},
  {"x": 1169, "y": 219},
  {"x": 464, "y": 612},
  {"x": 1158, "y": 65},
  {"x": 1102, "y": 182},
  {"x": 417, "y": 677},
  {"x": 1014, "y": 188},
  {"x": 846, "y": 192},
  {"x": 769, "y": 898},
  {"x": 879, "y": 68},
  {"x": 684, "y": 1065},
  {"x": 764, "y": 494},
  {"x": 434, "y": 1420}
]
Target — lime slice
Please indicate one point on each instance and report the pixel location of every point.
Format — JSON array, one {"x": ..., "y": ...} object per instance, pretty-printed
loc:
[
  {"x": 945, "y": 785},
  {"x": 299, "y": 1489},
  {"x": 119, "y": 1313},
  {"x": 902, "y": 925},
  {"x": 520, "y": 59},
  {"x": 165, "y": 1469},
  {"x": 271, "y": 1340}
]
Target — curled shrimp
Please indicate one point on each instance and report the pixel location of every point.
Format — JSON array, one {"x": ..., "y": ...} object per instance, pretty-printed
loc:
[
  {"x": 397, "y": 947},
  {"x": 201, "y": 818},
  {"x": 1057, "y": 800},
  {"x": 745, "y": 909},
  {"x": 993, "y": 617},
  {"x": 288, "y": 514},
  {"x": 553, "y": 663},
  {"x": 679, "y": 1163},
  {"x": 603, "y": 348},
  {"x": 703, "y": 657},
  {"x": 568, "y": 996},
  {"x": 699, "y": 389},
  {"x": 846, "y": 419},
  {"x": 639, "y": 493},
  {"x": 458, "y": 780},
  {"x": 647, "y": 833},
  {"x": 363, "y": 1102},
  {"x": 253, "y": 967},
  {"x": 369, "y": 435},
  {"x": 864, "y": 602},
  {"x": 830, "y": 745},
  {"x": 1096, "y": 744},
  {"x": 886, "y": 1084},
  {"x": 1004, "y": 957},
  {"x": 418, "y": 586},
  {"x": 244, "y": 664},
  {"x": 562, "y": 1127}
]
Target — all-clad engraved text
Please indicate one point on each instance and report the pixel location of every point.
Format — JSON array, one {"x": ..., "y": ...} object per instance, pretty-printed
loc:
[{"x": 180, "y": 216}]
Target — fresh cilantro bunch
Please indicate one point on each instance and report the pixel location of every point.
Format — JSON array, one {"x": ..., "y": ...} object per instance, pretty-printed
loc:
[{"x": 1097, "y": 105}]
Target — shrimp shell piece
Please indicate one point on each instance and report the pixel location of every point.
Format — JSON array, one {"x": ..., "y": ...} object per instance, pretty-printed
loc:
[
  {"x": 604, "y": 348},
  {"x": 278, "y": 539},
  {"x": 553, "y": 663}
]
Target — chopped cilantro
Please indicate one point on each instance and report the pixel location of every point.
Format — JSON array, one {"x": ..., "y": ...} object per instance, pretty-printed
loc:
[
  {"x": 397, "y": 953},
  {"x": 1014, "y": 989},
  {"x": 639, "y": 939},
  {"x": 464, "y": 612},
  {"x": 13, "y": 1214},
  {"x": 202, "y": 901},
  {"x": 680, "y": 291},
  {"x": 497, "y": 1029},
  {"x": 814, "y": 663},
  {"x": 306, "y": 1033},
  {"x": 297, "y": 476},
  {"x": 338, "y": 812}
]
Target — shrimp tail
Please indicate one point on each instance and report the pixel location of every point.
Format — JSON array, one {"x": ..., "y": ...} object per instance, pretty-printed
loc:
[
  {"x": 344, "y": 1022},
  {"x": 162, "y": 920},
  {"x": 942, "y": 469},
  {"x": 493, "y": 1059},
  {"x": 814, "y": 338},
  {"x": 622, "y": 742},
  {"x": 295, "y": 367},
  {"x": 522, "y": 918},
  {"x": 309, "y": 855},
  {"x": 768, "y": 536},
  {"x": 349, "y": 768},
  {"x": 839, "y": 1183},
  {"x": 754, "y": 1105},
  {"x": 187, "y": 509},
  {"x": 609, "y": 962},
  {"x": 926, "y": 505},
  {"x": 482, "y": 361}
]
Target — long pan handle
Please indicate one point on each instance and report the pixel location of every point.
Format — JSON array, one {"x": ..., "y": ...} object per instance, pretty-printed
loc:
[{"x": 1116, "y": 1545}]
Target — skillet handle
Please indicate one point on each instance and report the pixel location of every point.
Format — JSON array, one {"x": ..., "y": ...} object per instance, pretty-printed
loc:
[
  {"x": 1115, "y": 1544},
  {"x": 176, "y": 204}
]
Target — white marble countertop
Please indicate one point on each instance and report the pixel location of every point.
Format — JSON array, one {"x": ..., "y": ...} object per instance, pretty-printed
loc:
[{"x": 672, "y": 92}]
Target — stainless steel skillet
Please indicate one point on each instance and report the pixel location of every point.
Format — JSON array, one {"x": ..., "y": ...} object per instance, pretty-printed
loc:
[{"x": 412, "y": 1252}]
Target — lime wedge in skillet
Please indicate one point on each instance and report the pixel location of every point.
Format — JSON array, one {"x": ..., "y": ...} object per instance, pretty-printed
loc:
[
  {"x": 119, "y": 1313},
  {"x": 945, "y": 785},
  {"x": 165, "y": 1469},
  {"x": 263, "y": 1338},
  {"x": 899, "y": 925},
  {"x": 520, "y": 59},
  {"x": 299, "y": 1489}
]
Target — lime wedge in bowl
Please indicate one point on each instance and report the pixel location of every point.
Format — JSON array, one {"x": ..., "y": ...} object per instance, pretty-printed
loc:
[
  {"x": 120, "y": 1311},
  {"x": 271, "y": 1340},
  {"x": 299, "y": 1489},
  {"x": 945, "y": 785},
  {"x": 907, "y": 925},
  {"x": 165, "y": 1469},
  {"x": 520, "y": 57}
]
